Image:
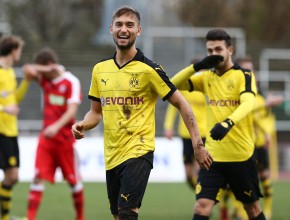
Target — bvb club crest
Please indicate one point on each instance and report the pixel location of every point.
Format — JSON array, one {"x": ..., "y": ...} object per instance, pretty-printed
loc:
[
  {"x": 134, "y": 81},
  {"x": 231, "y": 85}
]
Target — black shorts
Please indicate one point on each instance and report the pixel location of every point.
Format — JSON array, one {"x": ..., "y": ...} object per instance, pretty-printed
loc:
[
  {"x": 127, "y": 182},
  {"x": 188, "y": 152},
  {"x": 242, "y": 177},
  {"x": 9, "y": 152},
  {"x": 262, "y": 158}
]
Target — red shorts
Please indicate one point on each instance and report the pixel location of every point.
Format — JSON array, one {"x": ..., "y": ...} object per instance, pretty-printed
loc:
[{"x": 52, "y": 154}]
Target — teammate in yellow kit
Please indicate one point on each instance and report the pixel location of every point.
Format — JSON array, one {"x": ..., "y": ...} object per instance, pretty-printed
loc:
[
  {"x": 230, "y": 93},
  {"x": 11, "y": 95},
  {"x": 197, "y": 102},
  {"x": 262, "y": 116}
]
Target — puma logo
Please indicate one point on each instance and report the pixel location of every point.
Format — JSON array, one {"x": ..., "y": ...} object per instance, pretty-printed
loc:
[
  {"x": 158, "y": 68},
  {"x": 104, "y": 81},
  {"x": 248, "y": 193},
  {"x": 125, "y": 197}
]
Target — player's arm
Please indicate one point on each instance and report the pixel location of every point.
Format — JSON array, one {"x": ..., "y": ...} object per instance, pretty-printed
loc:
[
  {"x": 181, "y": 79},
  {"x": 90, "y": 121},
  {"x": 34, "y": 71},
  {"x": 262, "y": 124},
  {"x": 201, "y": 154},
  {"x": 248, "y": 91},
  {"x": 169, "y": 120},
  {"x": 25, "y": 82},
  {"x": 247, "y": 101},
  {"x": 271, "y": 101},
  {"x": 67, "y": 116},
  {"x": 10, "y": 109},
  {"x": 31, "y": 72}
]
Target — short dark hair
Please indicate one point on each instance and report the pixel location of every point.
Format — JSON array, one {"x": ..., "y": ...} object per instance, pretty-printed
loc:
[
  {"x": 45, "y": 56},
  {"x": 126, "y": 10},
  {"x": 219, "y": 34},
  {"x": 8, "y": 43}
]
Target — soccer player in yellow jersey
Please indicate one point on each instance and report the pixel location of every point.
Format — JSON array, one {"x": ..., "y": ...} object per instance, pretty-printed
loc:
[
  {"x": 198, "y": 106},
  {"x": 10, "y": 96},
  {"x": 124, "y": 91},
  {"x": 262, "y": 143},
  {"x": 230, "y": 94},
  {"x": 261, "y": 114}
]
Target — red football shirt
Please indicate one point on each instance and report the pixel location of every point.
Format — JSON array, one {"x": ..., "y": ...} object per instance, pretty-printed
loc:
[{"x": 58, "y": 93}]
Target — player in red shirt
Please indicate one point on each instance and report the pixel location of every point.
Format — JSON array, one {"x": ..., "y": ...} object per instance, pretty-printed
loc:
[{"x": 61, "y": 97}]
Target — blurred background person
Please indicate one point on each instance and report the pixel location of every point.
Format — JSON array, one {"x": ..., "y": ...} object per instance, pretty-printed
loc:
[
  {"x": 198, "y": 105},
  {"x": 262, "y": 115},
  {"x": 11, "y": 95},
  {"x": 263, "y": 119},
  {"x": 62, "y": 96}
]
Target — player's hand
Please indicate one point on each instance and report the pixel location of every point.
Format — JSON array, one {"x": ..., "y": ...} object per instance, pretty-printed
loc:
[
  {"x": 50, "y": 131},
  {"x": 274, "y": 100},
  {"x": 203, "y": 157},
  {"x": 58, "y": 68},
  {"x": 219, "y": 131},
  {"x": 169, "y": 134},
  {"x": 11, "y": 109},
  {"x": 208, "y": 62},
  {"x": 78, "y": 130},
  {"x": 29, "y": 72}
]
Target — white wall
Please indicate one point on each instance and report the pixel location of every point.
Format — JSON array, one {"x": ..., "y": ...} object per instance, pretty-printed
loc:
[{"x": 168, "y": 166}]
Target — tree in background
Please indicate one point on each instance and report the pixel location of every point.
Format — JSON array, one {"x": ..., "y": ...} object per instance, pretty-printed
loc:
[
  {"x": 262, "y": 21},
  {"x": 61, "y": 21}
]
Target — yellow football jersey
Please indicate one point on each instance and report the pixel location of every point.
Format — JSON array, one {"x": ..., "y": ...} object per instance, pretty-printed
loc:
[
  {"x": 261, "y": 121},
  {"x": 223, "y": 95},
  {"x": 198, "y": 105},
  {"x": 8, "y": 84},
  {"x": 128, "y": 96}
]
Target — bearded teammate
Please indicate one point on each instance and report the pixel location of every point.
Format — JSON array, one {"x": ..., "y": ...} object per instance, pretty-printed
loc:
[
  {"x": 124, "y": 91},
  {"x": 11, "y": 95},
  {"x": 61, "y": 95},
  {"x": 230, "y": 94}
]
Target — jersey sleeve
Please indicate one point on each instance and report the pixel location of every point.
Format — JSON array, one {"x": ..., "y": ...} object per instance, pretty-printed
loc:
[
  {"x": 248, "y": 91},
  {"x": 93, "y": 91},
  {"x": 248, "y": 83},
  {"x": 75, "y": 95},
  {"x": 22, "y": 90},
  {"x": 196, "y": 81},
  {"x": 161, "y": 83}
]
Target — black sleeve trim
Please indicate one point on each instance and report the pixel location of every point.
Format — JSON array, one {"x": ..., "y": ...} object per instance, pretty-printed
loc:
[
  {"x": 248, "y": 91},
  {"x": 248, "y": 83},
  {"x": 94, "y": 98},
  {"x": 169, "y": 94},
  {"x": 191, "y": 88}
]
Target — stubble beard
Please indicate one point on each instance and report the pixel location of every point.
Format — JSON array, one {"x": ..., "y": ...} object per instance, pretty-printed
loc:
[{"x": 124, "y": 47}]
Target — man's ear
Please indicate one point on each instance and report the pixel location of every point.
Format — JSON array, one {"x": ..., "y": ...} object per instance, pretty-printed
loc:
[
  {"x": 111, "y": 31},
  {"x": 139, "y": 31}
]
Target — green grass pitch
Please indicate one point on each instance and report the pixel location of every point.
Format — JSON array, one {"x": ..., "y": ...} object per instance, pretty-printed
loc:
[{"x": 162, "y": 201}]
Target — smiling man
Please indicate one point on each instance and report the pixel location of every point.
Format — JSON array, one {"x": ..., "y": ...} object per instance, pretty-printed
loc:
[{"x": 124, "y": 91}]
